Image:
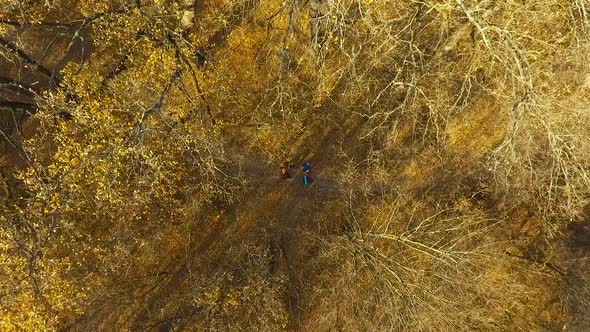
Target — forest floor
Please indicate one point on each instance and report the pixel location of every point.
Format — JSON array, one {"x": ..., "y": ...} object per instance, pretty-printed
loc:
[{"x": 282, "y": 208}]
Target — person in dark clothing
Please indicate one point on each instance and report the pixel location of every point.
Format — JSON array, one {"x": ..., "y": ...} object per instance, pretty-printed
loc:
[{"x": 285, "y": 168}]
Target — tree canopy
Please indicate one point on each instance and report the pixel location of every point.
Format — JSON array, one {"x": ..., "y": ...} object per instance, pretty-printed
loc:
[{"x": 141, "y": 141}]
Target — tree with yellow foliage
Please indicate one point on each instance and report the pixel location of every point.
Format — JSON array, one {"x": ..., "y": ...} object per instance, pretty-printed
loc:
[{"x": 450, "y": 139}]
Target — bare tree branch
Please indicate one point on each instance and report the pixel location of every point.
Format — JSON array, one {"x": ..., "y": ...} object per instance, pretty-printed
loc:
[
  {"x": 26, "y": 58},
  {"x": 18, "y": 87},
  {"x": 14, "y": 105},
  {"x": 42, "y": 24}
]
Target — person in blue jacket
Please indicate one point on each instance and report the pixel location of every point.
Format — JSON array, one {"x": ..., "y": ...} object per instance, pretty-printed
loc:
[{"x": 306, "y": 169}]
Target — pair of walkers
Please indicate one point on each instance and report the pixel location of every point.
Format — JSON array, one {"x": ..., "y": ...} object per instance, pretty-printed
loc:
[{"x": 305, "y": 170}]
